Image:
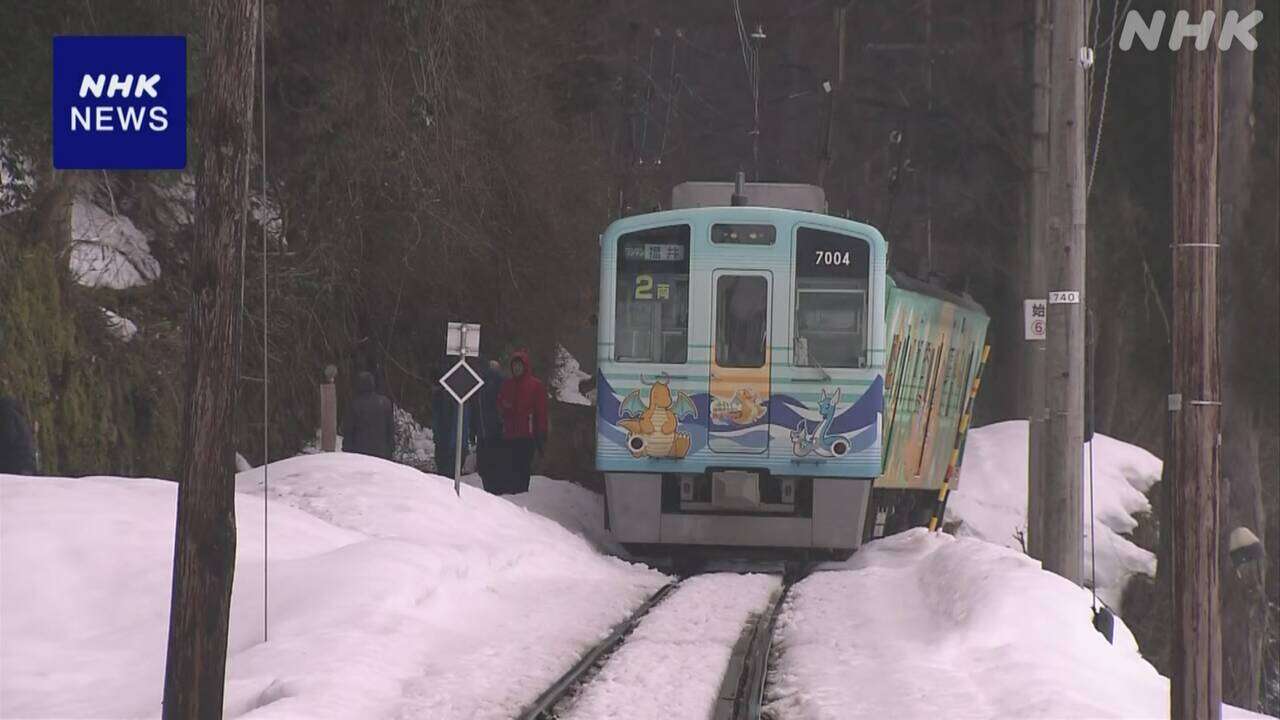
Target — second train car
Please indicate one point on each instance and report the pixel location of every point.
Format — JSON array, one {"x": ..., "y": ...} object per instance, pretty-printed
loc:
[{"x": 764, "y": 382}]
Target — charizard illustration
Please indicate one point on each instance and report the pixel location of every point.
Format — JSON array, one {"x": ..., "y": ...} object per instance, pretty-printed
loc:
[{"x": 653, "y": 429}]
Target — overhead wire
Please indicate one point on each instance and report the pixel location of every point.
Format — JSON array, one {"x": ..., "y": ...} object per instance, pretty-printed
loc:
[
  {"x": 1102, "y": 109},
  {"x": 266, "y": 385}
]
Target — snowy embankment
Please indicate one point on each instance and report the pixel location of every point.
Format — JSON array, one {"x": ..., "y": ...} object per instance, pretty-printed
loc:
[
  {"x": 567, "y": 379},
  {"x": 389, "y": 596},
  {"x": 990, "y": 502},
  {"x": 673, "y": 664},
  {"x": 927, "y": 625}
]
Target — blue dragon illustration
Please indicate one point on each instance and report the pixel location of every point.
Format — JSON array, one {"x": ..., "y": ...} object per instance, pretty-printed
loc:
[{"x": 821, "y": 441}]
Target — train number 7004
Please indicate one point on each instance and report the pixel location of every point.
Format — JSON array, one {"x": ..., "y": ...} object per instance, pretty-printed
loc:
[{"x": 831, "y": 257}]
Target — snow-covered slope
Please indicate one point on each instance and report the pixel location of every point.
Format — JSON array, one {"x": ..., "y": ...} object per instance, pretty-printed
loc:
[
  {"x": 389, "y": 596},
  {"x": 991, "y": 500},
  {"x": 927, "y": 625},
  {"x": 108, "y": 250},
  {"x": 567, "y": 379}
]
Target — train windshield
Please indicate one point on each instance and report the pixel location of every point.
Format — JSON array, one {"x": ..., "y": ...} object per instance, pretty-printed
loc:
[
  {"x": 652, "y": 314},
  {"x": 832, "y": 276}
]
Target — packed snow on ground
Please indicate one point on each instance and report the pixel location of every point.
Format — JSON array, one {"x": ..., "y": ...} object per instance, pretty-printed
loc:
[
  {"x": 927, "y": 625},
  {"x": 572, "y": 506},
  {"x": 673, "y": 664},
  {"x": 568, "y": 377},
  {"x": 107, "y": 249},
  {"x": 121, "y": 327},
  {"x": 389, "y": 596},
  {"x": 991, "y": 500},
  {"x": 180, "y": 194}
]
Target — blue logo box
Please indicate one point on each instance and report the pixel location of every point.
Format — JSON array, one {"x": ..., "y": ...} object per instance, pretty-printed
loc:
[{"x": 119, "y": 102}]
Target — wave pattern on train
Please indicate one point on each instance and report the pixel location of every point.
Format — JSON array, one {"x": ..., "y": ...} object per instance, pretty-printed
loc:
[{"x": 765, "y": 384}]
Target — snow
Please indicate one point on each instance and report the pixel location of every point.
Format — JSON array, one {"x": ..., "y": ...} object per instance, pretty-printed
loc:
[
  {"x": 672, "y": 666},
  {"x": 990, "y": 501},
  {"x": 389, "y": 595},
  {"x": 180, "y": 209},
  {"x": 568, "y": 377},
  {"x": 108, "y": 250},
  {"x": 17, "y": 182},
  {"x": 927, "y": 625},
  {"x": 415, "y": 444},
  {"x": 122, "y": 327}
]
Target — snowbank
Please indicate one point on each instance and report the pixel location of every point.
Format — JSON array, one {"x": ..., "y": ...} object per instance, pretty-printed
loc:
[
  {"x": 122, "y": 327},
  {"x": 389, "y": 596},
  {"x": 108, "y": 250},
  {"x": 991, "y": 500},
  {"x": 17, "y": 182},
  {"x": 926, "y": 625},
  {"x": 567, "y": 379}
]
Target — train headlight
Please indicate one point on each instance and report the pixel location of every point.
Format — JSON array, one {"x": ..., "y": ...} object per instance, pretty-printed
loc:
[
  {"x": 840, "y": 447},
  {"x": 636, "y": 445}
]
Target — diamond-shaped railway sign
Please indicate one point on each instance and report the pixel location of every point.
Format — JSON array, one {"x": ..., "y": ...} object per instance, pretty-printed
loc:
[{"x": 461, "y": 381}]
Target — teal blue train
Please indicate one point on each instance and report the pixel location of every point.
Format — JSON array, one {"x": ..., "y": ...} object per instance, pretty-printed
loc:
[{"x": 765, "y": 383}]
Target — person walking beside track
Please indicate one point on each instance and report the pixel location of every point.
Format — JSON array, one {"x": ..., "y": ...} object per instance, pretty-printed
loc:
[
  {"x": 369, "y": 427},
  {"x": 522, "y": 402},
  {"x": 493, "y": 458}
]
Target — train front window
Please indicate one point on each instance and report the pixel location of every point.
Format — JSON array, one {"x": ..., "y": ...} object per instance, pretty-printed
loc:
[
  {"x": 651, "y": 324},
  {"x": 832, "y": 278}
]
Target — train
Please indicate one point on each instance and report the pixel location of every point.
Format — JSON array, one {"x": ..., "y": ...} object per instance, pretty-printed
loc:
[{"x": 765, "y": 384}]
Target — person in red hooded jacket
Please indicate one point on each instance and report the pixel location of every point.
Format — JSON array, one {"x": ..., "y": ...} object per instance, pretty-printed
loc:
[{"x": 522, "y": 402}]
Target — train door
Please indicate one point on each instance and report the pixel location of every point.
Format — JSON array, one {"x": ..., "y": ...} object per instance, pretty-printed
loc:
[{"x": 738, "y": 417}]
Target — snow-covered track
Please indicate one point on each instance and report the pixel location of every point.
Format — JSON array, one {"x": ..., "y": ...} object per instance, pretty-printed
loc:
[
  {"x": 742, "y": 693},
  {"x": 542, "y": 708}
]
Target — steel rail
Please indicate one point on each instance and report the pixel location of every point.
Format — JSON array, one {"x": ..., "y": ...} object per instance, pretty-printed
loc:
[
  {"x": 742, "y": 691},
  {"x": 542, "y": 707}
]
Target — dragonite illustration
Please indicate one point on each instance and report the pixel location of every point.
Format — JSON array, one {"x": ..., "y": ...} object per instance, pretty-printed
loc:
[{"x": 653, "y": 429}]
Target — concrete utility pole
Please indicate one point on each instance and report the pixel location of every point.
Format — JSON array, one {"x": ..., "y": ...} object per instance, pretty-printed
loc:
[
  {"x": 1064, "y": 340},
  {"x": 1196, "y": 683},
  {"x": 1037, "y": 240}
]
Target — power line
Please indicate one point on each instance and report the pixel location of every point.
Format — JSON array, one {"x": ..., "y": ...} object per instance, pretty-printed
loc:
[{"x": 1102, "y": 109}]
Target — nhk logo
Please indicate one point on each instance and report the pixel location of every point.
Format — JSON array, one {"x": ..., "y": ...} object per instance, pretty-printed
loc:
[
  {"x": 120, "y": 102},
  {"x": 1234, "y": 28}
]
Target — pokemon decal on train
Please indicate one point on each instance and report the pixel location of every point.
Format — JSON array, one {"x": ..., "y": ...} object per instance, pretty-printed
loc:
[{"x": 746, "y": 394}]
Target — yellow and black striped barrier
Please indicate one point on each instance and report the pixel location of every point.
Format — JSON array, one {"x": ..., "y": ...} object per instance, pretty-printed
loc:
[{"x": 953, "y": 466}]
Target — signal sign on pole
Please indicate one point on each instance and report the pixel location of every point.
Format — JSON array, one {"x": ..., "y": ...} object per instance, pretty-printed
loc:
[
  {"x": 1033, "y": 317},
  {"x": 463, "y": 340}
]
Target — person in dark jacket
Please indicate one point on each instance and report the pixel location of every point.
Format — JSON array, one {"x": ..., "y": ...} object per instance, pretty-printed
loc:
[
  {"x": 369, "y": 427},
  {"x": 17, "y": 448},
  {"x": 444, "y": 426},
  {"x": 493, "y": 459},
  {"x": 522, "y": 402}
]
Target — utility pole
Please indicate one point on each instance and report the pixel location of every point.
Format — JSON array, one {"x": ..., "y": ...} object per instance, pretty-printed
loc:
[
  {"x": 1033, "y": 377},
  {"x": 1064, "y": 332},
  {"x": 1196, "y": 684},
  {"x": 205, "y": 545}
]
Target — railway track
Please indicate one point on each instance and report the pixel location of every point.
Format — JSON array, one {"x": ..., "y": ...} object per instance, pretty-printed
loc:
[{"x": 741, "y": 690}]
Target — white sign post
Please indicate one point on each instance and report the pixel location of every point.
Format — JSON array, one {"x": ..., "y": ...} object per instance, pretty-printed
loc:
[
  {"x": 1033, "y": 317},
  {"x": 463, "y": 340}
]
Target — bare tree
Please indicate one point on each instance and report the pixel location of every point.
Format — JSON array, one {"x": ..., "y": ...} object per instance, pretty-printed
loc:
[{"x": 205, "y": 546}]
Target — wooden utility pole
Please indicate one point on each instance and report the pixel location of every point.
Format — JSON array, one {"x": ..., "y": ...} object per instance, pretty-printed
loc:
[
  {"x": 1064, "y": 332},
  {"x": 1033, "y": 377},
  {"x": 1196, "y": 682},
  {"x": 205, "y": 544}
]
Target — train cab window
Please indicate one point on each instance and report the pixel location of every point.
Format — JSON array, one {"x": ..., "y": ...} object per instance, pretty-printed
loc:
[
  {"x": 652, "y": 320},
  {"x": 742, "y": 320},
  {"x": 832, "y": 278},
  {"x": 743, "y": 234}
]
